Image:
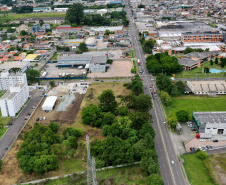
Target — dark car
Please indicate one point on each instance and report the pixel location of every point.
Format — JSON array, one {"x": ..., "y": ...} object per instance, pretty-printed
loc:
[
  {"x": 10, "y": 123},
  {"x": 215, "y": 140},
  {"x": 37, "y": 119},
  {"x": 96, "y": 80},
  {"x": 7, "y": 148},
  {"x": 102, "y": 81}
]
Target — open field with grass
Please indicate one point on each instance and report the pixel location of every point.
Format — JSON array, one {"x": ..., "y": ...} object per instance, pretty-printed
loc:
[
  {"x": 192, "y": 103},
  {"x": 198, "y": 72},
  {"x": 125, "y": 175},
  {"x": 12, "y": 17},
  {"x": 3, "y": 122},
  {"x": 196, "y": 170},
  {"x": 54, "y": 57},
  {"x": 217, "y": 167}
]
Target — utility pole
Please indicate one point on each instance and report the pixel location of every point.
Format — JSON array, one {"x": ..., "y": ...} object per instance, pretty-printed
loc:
[{"x": 91, "y": 166}]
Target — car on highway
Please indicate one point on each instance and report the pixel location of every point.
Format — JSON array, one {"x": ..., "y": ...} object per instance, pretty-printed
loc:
[
  {"x": 6, "y": 147},
  {"x": 172, "y": 162},
  {"x": 215, "y": 140}
]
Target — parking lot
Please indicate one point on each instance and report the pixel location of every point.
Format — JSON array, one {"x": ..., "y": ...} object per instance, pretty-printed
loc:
[
  {"x": 117, "y": 69},
  {"x": 54, "y": 71},
  {"x": 116, "y": 54}
]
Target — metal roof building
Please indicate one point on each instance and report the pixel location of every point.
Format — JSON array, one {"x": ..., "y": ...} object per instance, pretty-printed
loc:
[{"x": 49, "y": 103}]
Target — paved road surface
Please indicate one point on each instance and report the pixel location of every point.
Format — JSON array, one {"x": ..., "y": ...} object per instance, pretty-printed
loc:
[
  {"x": 18, "y": 123},
  {"x": 171, "y": 174}
]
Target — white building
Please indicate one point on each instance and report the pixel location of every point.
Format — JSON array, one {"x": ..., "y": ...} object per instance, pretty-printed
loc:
[
  {"x": 12, "y": 101},
  {"x": 49, "y": 103},
  {"x": 8, "y": 79}
]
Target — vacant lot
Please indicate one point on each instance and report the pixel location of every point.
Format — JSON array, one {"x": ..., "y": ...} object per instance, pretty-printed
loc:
[
  {"x": 117, "y": 69},
  {"x": 192, "y": 103},
  {"x": 217, "y": 166},
  {"x": 196, "y": 171},
  {"x": 11, "y": 172}
]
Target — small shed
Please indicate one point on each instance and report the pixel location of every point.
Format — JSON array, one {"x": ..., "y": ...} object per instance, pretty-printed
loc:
[{"x": 49, "y": 103}]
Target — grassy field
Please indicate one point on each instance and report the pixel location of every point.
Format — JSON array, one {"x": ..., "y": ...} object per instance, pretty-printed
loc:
[
  {"x": 192, "y": 103},
  {"x": 12, "y": 17},
  {"x": 217, "y": 167},
  {"x": 196, "y": 170},
  {"x": 198, "y": 72},
  {"x": 54, "y": 57},
  {"x": 125, "y": 175}
]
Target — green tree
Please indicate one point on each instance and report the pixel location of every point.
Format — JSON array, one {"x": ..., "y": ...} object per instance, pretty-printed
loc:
[
  {"x": 125, "y": 22},
  {"x": 155, "y": 179},
  {"x": 15, "y": 70},
  {"x": 32, "y": 76},
  {"x": 109, "y": 61},
  {"x": 75, "y": 13},
  {"x": 172, "y": 120},
  {"x": 107, "y": 101},
  {"x": 123, "y": 111},
  {"x": 182, "y": 115},
  {"x": 223, "y": 62},
  {"x": 83, "y": 47},
  {"x": 142, "y": 102},
  {"x": 54, "y": 126},
  {"x": 107, "y": 32},
  {"x": 201, "y": 154},
  {"x": 164, "y": 83},
  {"x": 148, "y": 46},
  {"x": 211, "y": 62},
  {"x": 180, "y": 87},
  {"x": 139, "y": 119},
  {"x": 52, "y": 83},
  {"x": 216, "y": 60},
  {"x": 91, "y": 115},
  {"x": 165, "y": 97},
  {"x": 4, "y": 36},
  {"x": 1, "y": 164},
  {"x": 108, "y": 118}
]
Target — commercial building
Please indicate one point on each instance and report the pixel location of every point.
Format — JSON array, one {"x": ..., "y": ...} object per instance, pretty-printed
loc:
[
  {"x": 201, "y": 37},
  {"x": 36, "y": 20},
  {"x": 207, "y": 87},
  {"x": 73, "y": 42},
  {"x": 32, "y": 58},
  {"x": 12, "y": 101},
  {"x": 8, "y": 79},
  {"x": 8, "y": 65},
  {"x": 49, "y": 103},
  {"x": 95, "y": 62},
  {"x": 41, "y": 9},
  {"x": 68, "y": 29},
  {"x": 212, "y": 123}
]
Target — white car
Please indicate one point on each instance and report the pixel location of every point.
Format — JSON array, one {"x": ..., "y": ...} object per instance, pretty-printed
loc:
[
  {"x": 44, "y": 118},
  {"x": 81, "y": 80},
  {"x": 172, "y": 162}
]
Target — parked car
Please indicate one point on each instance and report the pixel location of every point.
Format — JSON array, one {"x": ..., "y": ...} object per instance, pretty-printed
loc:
[
  {"x": 6, "y": 147},
  {"x": 40, "y": 118},
  {"x": 102, "y": 81},
  {"x": 44, "y": 118},
  {"x": 10, "y": 123},
  {"x": 172, "y": 162},
  {"x": 215, "y": 140},
  {"x": 37, "y": 119}
]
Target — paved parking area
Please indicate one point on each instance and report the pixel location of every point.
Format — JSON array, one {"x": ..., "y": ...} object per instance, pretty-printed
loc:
[
  {"x": 116, "y": 54},
  {"x": 117, "y": 69},
  {"x": 54, "y": 71}
]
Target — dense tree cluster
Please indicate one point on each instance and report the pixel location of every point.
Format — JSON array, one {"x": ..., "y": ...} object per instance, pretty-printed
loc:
[
  {"x": 22, "y": 9},
  {"x": 76, "y": 16},
  {"x": 43, "y": 147},
  {"x": 182, "y": 115},
  {"x": 136, "y": 86},
  {"x": 6, "y": 2},
  {"x": 129, "y": 134},
  {"x": 222, "y": 62},
  {"x": 32, "y": 76},
  {"x": 189, "y": 50},
  {"x": 148, "y": 46},
  {"x": 165, "y": 84},
  {"x": 163, "y": 63}
]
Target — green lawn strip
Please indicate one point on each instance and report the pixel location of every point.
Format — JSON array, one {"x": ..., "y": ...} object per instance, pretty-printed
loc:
[
  {"x": 133, "y": 53},
  {"x": 196, "y": 170},
  {"x": 192, "y": 103},
  {"x": 54, "y": 57},
  {"x": 4, "y": 121},
  {"x": 72, "y": 165},
  {"x": 125, "y": 175}
]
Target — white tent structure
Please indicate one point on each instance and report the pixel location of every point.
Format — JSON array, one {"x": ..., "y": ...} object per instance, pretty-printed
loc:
[{"x": 49, "y": 103}]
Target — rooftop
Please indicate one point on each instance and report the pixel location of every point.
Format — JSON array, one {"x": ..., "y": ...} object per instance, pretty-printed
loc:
[
  {"x": 211, "y": 117},
  {"x": 201, "y": 33},
  {"x": 187, "y": 61},
  {"x": 9, "y": 65},
  {"x": 75, "y": 57},
  {"x": 99, "y": 59},
  {"x": 208, "y": 86},
  {"x": 30, "y": 57}
]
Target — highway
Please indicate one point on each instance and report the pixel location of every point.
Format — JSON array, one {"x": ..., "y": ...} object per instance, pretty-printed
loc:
[{"x": 171, "y": 173}]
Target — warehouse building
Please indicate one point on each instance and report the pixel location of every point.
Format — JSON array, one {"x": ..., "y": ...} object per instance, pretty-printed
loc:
[
  {"x": 213, "y": 123},
  {"x": 94, "y": 62},
  {"x": 12, "y": 101},
  {"x": 32, "y": 58},
  {"x": 8, "y": 79},
  {"x": 201, "y": 37},
  {"x": 207, "y": 87},
  {"x": 49, "y": 103}
]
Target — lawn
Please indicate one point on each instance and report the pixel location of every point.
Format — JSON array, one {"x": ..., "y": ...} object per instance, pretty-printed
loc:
[
  {"x": 198, "y": 72},
  {"x": 3, "y": 121},
  {"x": 192, "y": 103},
  {"x": 12, "y": 17},
  {"x": 196, "y": 170},
  {"x": 125, "y": 175},
  {"x": 54, "y": 57}
]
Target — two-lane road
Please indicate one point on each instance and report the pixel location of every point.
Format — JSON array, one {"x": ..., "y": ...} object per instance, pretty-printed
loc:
[{"x": 171, "y": 173}]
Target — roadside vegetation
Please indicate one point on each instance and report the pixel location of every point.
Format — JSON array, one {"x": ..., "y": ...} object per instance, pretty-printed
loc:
[
  {"x": 3, "y": 122},
  {"x": 197, "y": 170}
]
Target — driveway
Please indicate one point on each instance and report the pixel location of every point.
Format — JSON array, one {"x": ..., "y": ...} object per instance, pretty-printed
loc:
[{"x": 18, "y": 123}]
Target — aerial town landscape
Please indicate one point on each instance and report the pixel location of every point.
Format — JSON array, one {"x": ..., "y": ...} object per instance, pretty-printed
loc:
[{"x": 112, "y": 92}]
